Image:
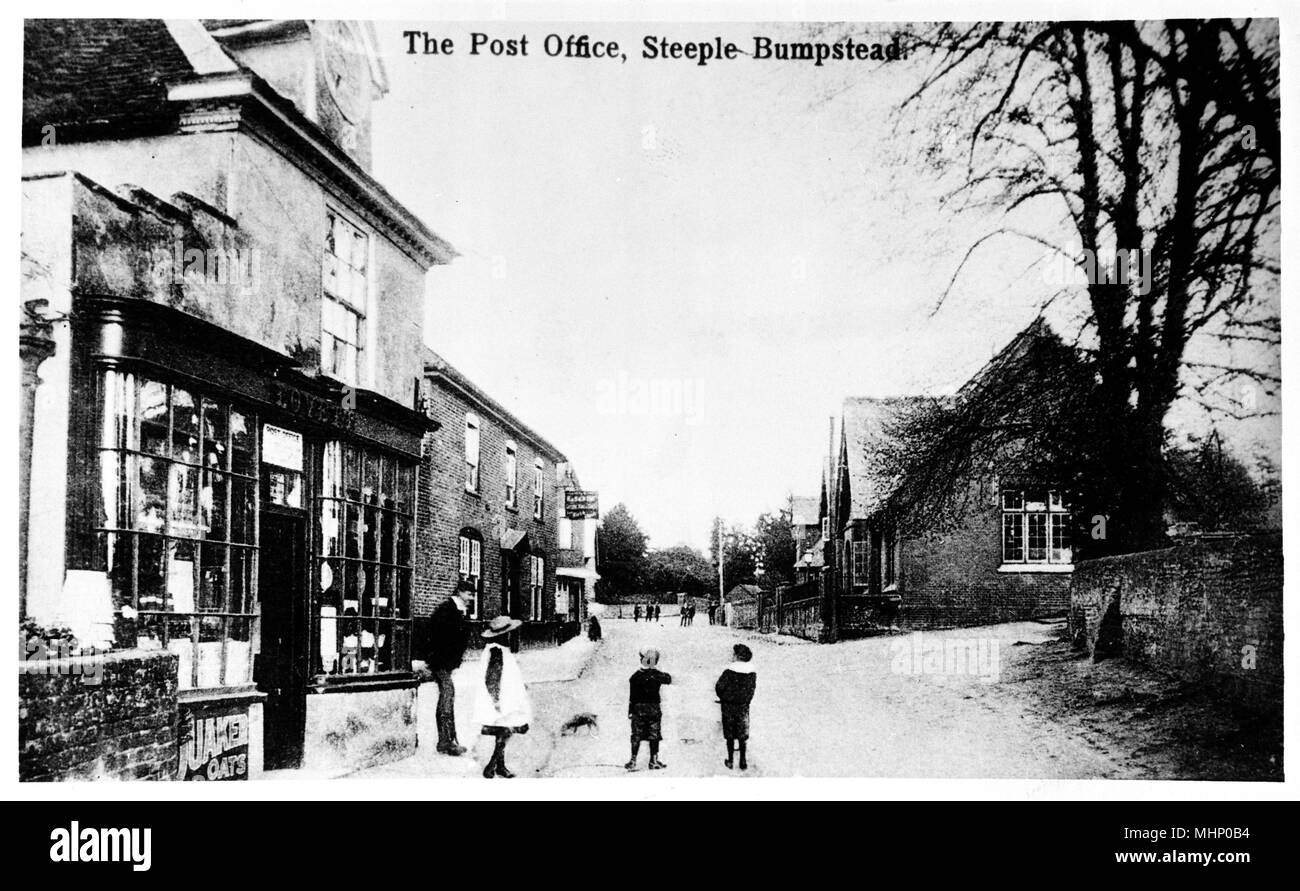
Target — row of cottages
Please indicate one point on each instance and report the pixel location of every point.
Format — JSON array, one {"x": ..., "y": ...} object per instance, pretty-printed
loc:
[
  {"x": 493, "y": 490},
  {"x": 866, "y": 564},
  {"x": 236, "y": 449}
]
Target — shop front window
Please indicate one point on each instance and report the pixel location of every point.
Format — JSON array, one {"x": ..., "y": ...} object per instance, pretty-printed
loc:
[
  {"x": 367, "y": 517},
  {"x": 178, "y": 531}
]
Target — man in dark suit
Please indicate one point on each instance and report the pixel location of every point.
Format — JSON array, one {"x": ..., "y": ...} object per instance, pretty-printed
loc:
[{"x": 448, "y": 637}]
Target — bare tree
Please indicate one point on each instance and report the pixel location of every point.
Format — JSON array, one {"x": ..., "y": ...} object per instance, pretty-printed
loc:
[{"x": 1155, "y": 143}]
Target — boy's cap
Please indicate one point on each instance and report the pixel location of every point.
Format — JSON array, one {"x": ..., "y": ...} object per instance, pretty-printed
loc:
[
  {"x": 742, "y": 653},
  {"x": 649, "y": 658}
]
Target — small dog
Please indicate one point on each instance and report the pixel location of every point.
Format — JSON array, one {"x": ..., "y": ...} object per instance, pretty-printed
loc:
[{"x": 585, "y": 719}]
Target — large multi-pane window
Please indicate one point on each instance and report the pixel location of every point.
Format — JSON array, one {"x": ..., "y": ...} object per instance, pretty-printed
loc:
[
  {"x": 861, "y": 562},
  {"x": 471, "y": 569},
  {"x": 178, "y": 532},
  {"x": 537, "y": 580},
  {"x": 1035, "y": 527},
  {"x": 367, "y": 516},
  {"x": 343, "y": 303}
]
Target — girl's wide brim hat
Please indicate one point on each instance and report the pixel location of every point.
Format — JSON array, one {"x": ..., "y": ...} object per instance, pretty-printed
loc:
[{"x": 501, "y": 625}]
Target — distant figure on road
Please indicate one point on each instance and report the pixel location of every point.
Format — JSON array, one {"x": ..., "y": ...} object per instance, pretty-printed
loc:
[
  {"x": 735, "y": 689},
  {"x": 713, "y": 613},
  {"x": 636, "y": 613},
  {"x": 685, "y": 607},
  {"x": 643, "y": 708},
  {"x": 502, "y": 706},
  {"x": 593, "y": 629},
  {"x": 690, "y": 614}
]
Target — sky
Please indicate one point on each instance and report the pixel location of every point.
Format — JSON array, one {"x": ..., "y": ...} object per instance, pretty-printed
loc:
[{"x": 677, "y": 273}]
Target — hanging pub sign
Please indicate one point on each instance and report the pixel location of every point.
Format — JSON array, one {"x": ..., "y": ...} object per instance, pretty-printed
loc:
[
  {"x": 213, "y": 742},
  {"x": 579, "y": 505}
]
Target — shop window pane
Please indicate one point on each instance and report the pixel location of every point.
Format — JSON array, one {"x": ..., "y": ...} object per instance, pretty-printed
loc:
[
  {"x": 185, "y": 427},
  {"x": 352, "y": 473},
  {"x": 383, "y": 646},
  {"x": 370, "y": 485},
  {"x": 352, "y": 531},
  {"x": 351, "y": 589},
  {"x": 151, "y": 569},
  {"x": 212, "y": 502},
  {"x": 331, "y": 528},
  {"x": 243, "y": 511},
  {"x": 283, "y": 487},
  {"x": 368, "y": 583},
  {"x": 387, "y": 482},
  {"x": 239, "y": 652},
  {"x": 180, "y": 631},
  {"x": 349, "y": 646},
  {"x": 153, "y": 418},
  {"x": 331, "y": 584},
  {"x": 212, "y": 590},
  {"x": 150, "y": 632},
  {"x": 386, "y": 537},
  {"x": 116, "y": 494},
  {"x": 403, "y": 592},
  {"x": 368, "y": 653},
  {"x": 242, "y": 444},
  {"x": 327, "y": 657},
  {"x": 332, "y": 471},
  {"x": 242, "y": 562},
  {"x": 212, "y": 635},
  {"x": 403, "y": 541},
  {"x": 184, "y": 500},
  {"x": 401, "y": 646},
  {"x": 369, "y": 530},
  {"x": 215, "y": 432},
  {"x": 180, "y": 576},
  {"x": 119, "y": 411},
  {"x": 384, "y": 596},
  {"x": 151, "y": 504}
]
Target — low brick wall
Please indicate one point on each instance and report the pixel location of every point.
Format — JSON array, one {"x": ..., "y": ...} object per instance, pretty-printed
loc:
[
  {"x": 103, "y": 717},
  {"x": 1207, "y": 611}
]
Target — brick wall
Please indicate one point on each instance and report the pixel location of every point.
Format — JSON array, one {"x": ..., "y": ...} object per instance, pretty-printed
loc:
[
  {"x": 951, "y": 578},
  {"x": 1191, "y": 610},
  {"x": 445, "y": 507},
  {"x": 123, "y": 727}
]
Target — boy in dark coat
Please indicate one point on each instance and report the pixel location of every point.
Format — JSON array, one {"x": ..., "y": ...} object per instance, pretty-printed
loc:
[
  {"x": 735, "y": 689},
  {"x": 643, "y": 708}
]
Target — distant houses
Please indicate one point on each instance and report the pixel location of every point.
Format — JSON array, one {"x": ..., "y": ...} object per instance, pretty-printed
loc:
[{"x": 867, "y": 562}]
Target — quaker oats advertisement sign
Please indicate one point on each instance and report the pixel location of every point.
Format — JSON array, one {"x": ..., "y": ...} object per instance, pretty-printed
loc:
[{"x": 213, "y": 743}]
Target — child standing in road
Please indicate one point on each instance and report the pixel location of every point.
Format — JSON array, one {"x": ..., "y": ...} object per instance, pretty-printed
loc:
[
  {"x": 643, "y": 707},
  {"x": 735, "y": 689}
]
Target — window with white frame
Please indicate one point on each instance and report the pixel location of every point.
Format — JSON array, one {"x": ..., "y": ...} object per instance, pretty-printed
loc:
[
  {"x": 861, "y": 562},
  {"x": 343, "y": 302},
  {"x": 512, "y": 474},
  {"x": 1035, "y": 528},
  {"x": 471, "y": 569},
  {"x": 538, "y": 577},
  {"x": 538, "y": 475},
  {"x": 471, "y": 452}
]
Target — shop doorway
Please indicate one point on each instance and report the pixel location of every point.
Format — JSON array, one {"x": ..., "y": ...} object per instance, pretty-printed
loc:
[{"x": 281, "y": 668}]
